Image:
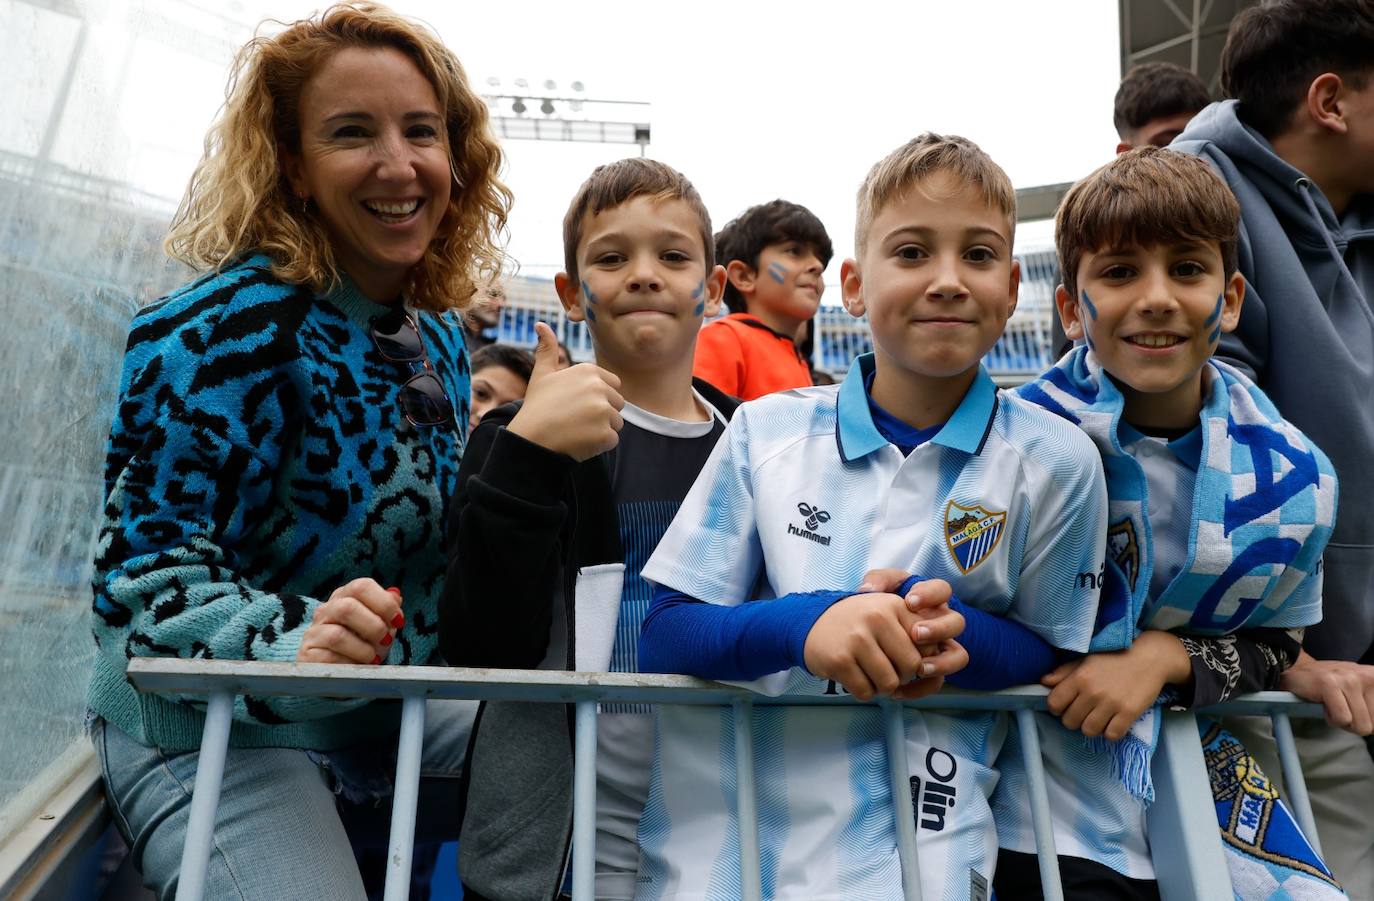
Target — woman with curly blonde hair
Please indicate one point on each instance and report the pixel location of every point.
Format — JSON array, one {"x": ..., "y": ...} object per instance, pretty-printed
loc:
[{"x": 286, "y": 445}]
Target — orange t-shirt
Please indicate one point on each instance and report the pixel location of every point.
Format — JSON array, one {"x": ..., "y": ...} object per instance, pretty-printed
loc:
[{"x": 745, "y": 358}]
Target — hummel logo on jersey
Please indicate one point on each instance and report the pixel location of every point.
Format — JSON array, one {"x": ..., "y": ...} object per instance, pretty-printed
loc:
[{"x": 814, "y": 517}]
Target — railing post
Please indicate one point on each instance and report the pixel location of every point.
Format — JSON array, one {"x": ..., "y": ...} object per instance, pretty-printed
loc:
[
  {"x": 584, "y": 804},
  {"x": 751, "y": 879},
  {"x": 899, "y": 775},
  {"x": 1182, "y": 821},
  {"x": 200, "y": 822},
  {"x": 1293, "y": 780},
  {"x": 405, "y": 798},
  {"x": 1048, "y": 856}
]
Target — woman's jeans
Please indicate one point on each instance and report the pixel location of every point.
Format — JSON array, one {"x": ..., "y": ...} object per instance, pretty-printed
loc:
[{"x": 288, "y": 820}]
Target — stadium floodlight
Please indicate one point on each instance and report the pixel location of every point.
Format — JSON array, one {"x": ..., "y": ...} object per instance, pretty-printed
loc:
[{"x": 567, "y": 117}]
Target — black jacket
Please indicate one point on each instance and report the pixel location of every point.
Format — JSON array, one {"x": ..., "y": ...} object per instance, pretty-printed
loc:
[{"x": 529, "y": 530}]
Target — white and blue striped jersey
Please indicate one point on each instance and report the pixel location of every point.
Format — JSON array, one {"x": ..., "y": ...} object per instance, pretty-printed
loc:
[
  {"x": 1007, "y": 502},
  {"x": 1095, "y": 817}
]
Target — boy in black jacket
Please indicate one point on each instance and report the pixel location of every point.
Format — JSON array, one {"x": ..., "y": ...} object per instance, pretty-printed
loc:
[{"x": 560, "y": 501}]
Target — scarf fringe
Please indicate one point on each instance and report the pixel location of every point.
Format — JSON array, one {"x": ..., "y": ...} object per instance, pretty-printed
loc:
[{"x": 1130, "y": 756}]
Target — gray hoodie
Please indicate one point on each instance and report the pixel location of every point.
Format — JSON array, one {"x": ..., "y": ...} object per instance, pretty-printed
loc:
[{"x": 1306, "y": 334}]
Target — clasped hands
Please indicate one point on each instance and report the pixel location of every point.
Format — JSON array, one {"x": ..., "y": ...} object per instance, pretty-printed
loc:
[{"x": 875, "y": 642}]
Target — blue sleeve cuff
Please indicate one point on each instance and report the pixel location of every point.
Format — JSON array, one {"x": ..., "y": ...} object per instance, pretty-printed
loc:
[{"x": 685, "y": 635}]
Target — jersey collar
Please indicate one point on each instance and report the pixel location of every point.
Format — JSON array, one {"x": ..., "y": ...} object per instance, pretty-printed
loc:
[{"x": 857, "y": 436}]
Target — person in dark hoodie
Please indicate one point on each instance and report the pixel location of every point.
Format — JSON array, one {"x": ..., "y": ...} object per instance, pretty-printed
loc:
[{"x": 1296, "y": 145}]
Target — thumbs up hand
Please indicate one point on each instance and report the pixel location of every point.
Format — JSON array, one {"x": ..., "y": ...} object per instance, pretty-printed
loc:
[{"x": 573, "y": 411}]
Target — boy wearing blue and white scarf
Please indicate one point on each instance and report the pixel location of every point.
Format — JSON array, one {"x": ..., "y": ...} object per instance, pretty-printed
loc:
[{"x": 1218, "y": 514}]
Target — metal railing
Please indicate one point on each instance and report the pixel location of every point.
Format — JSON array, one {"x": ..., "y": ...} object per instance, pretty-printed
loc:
[{"x": 1181, "y": 822}]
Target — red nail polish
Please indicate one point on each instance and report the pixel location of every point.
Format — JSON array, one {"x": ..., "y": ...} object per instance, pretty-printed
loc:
[
  {"x": 376, "y": 660},
  {"x": 389, "y": 638},
  {"x": 398, "y": 621},
  {"x": 394, "y": 590}
]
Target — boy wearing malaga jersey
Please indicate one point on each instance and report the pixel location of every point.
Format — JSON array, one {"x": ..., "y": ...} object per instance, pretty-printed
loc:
[
  {"x": 915, "y": 462},
  {"x": 1219, "y": 512}
]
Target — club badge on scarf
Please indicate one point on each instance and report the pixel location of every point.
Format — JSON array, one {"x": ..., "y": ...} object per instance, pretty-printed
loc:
[{"x": 1265, "y": 850}]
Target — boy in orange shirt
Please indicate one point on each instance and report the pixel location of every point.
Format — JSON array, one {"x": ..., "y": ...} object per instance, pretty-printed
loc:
[{"x": 774, "y": 255}]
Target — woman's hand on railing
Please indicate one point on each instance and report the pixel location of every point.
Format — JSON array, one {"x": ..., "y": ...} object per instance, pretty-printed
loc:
[
  {"x": 1343, "y": 688},
  {"x": 356, "y": 625}
]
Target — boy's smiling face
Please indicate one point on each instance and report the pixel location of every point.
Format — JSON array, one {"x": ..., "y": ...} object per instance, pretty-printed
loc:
[
  {"x": 1153, "y": 315},
  {"x": 642, "y": 287},
  {"x": 936, "y": 278}
]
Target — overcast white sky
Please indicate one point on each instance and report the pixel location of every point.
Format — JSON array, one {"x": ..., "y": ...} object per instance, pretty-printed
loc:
[{"x": 752, "y": 100}]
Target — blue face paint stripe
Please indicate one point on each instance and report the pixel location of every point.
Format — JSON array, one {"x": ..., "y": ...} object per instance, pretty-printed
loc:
[
  {"x": 1216, "y": 334},
  {"x": 777, "y": 272},
  {"x": 699, "y": 295},
  {"x": 1216, "y": 311},
  {"x": 587, "y": 292},
  {"x": 1092, "y": 314}
]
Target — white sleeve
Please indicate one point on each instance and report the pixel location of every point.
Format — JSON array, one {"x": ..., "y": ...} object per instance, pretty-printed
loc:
[
  {"x": 1061, "y": 568},
  {"x": 712, "y": 551}
]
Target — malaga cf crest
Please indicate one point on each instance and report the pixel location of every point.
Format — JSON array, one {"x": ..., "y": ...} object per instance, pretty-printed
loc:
[{"x": 972, "y": 533}]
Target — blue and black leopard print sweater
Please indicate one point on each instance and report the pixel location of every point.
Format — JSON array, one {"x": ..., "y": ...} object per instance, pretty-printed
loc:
[{"x": 259, "y": 460}]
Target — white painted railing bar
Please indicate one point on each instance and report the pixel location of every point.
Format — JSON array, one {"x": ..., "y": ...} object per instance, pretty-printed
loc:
[
  {"x": 405, "y": 799},
  {"x": 1184, "y": 835},
  {"x": 200, "y": 823},
  {"x": 1051, "y": 886},
  {"x": 746, "y": 805},
  {"x": 206, "y": 677},
  {"x": 584, "y": 803},
  {"x": 1182, "y": 823},
  {"x": 903, "y": 805},
  {"x": 1293, "y": 782}
]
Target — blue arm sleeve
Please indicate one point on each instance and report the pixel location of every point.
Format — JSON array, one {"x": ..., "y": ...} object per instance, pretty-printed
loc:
[
  {"x": 1001, "y": 652},
  {"x": 684, "y": 635}
]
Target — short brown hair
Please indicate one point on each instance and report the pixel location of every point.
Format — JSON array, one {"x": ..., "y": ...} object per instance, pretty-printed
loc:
[
  {"x": 616, "y": 183},
  {"x": 238, "y": 201},
  {"x": 1147, "y": 196},
  {"x": 922, "y": 157},
  {"x": 1155, "y": 90}
]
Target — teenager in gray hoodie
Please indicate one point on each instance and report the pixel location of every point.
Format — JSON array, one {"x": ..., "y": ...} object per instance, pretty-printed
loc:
[{"x": 1296, "y": 145}]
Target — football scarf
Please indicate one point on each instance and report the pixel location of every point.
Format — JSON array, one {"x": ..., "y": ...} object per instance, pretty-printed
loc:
[{"x": 1264, "y": 504}]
